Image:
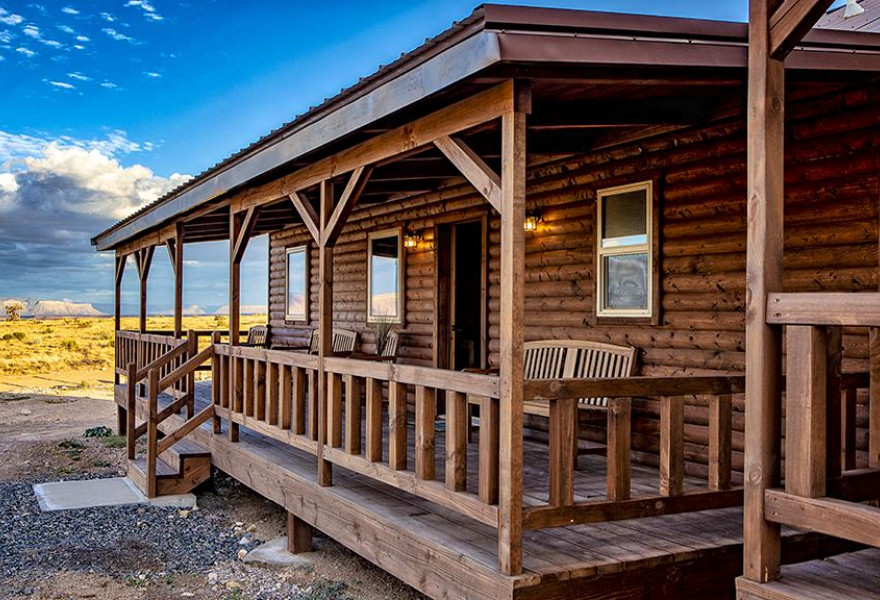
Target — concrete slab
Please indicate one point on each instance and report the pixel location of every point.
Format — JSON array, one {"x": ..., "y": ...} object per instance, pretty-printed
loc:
[
  {"x": 274, "y": 554},
  {"x": 87, "y": 493},
  {"x": 176, "y": 501}
]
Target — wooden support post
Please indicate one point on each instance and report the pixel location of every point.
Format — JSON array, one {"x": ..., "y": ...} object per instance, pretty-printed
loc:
[
  {"x": 299, "y": 535},
  {"x": 152, "y": 431},
  {"x": 766, "y": 99},
  {"x": 325, "y": 330},
  {"x": 217, "y": 380},
  {"x": 121, "y": 260},
  {"x": 131, "y": 410},
  {"x": 144, "y": 258},
  {"x": 512, "y": 297},
  {"x": 805, "y": 411},
  {"x": 672, "y": 446},
  {"x": 619, "y": 476},
  {"x": 192, "y": 340},
  {"x": 175, "y": 253}
]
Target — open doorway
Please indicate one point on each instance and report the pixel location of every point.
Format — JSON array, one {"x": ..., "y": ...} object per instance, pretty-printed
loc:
[{"x": 461, "y": 328}]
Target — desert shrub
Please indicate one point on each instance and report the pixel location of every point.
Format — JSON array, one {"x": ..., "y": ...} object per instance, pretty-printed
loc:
[
  {"x": 100, "y": 431},
  {"x": 70, "y": 345},
  {"x": 13, "y": 311},
  {"x": 15, "y": 335}
]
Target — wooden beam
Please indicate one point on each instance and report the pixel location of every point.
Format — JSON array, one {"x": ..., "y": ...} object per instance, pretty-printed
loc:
[
  {"x": 325, "y": 330},
  {"x": 512, "y": 293},
  {"x": 811, "y": 308},
  {"x": 175, "y": 254},
  {"x": 848, "y": 520},
  {"x": 790, "y": 23},
  {"x": 235, "y": 228},
  {"x": 244, "y": 235},
  {"x": 307, "y": 214},
  {"x": 484, "y": 179},
  {"x": 333, "y": 227},
  {"x": 766, "y": 97}
]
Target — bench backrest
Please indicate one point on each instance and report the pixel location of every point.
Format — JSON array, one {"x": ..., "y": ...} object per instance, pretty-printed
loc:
[
  {"x": 392, "y": 344},
  {"x": 257, "y": 335},
  {"x": 344, "y": 341},
  {"x": 575, "y": 359}
]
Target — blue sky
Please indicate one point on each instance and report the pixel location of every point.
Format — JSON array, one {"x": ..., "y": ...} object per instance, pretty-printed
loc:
[{"x": 105, "y": 105}]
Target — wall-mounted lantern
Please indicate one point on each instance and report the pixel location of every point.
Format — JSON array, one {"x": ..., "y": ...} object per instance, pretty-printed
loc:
[
  {"x": 411, "y": 239},
  {"x": 532, "y": 219}
]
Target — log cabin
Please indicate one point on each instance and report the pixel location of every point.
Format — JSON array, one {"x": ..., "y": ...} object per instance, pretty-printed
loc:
[{"x": 691, "y": 193}]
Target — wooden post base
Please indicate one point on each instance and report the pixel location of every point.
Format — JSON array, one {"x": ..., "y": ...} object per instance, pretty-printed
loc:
[
  {"x": 299, "y": 535},
  {"x": 121, "y": 421}
]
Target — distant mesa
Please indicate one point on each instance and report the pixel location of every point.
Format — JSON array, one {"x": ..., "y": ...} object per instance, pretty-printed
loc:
[
  {"x": 45, "y": 309},
  {"x": 246, "y": 309},
  {"x": 188, "y": 311}
]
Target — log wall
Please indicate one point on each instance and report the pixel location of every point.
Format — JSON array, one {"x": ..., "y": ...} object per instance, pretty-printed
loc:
[{"x": 831, "y": 218}]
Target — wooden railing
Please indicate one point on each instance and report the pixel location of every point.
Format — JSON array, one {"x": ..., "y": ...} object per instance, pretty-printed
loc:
[
  {"x": 272, "y": 392},
  {"x": 823, "y": 491},
  {"x": 352, "y": 381},
  {"x": 672, "y": 497},
  {"x": 141, "y": 349}
]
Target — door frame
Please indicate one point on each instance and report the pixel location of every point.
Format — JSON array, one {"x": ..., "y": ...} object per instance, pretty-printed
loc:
[{"x": 444, "y": 287}]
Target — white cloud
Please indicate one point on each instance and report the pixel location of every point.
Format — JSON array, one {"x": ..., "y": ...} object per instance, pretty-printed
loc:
[
  {"x": 109, "y": 85},
  {"x": 79, "y": 47},
  {"x": 6, "y": 36},
  {"x": 69, "y": 10},
  {"x": 10, "y": 18},
  {"x": 65, "y": 28},
  {"x": 26, "y": 52},
  {"x": 149, "y": 10},
  {"x": 83, "y": 38},
  {"x": 51, "y": 43},
  {"x": 118, "y": 36},
  {"x": 79, "y": 76},
  {"x": 62, "y": 84},
  {"x": 152, "y": 74},
  {"x": 108, "y": 17},
  {"x": 2, "y": 58},
  {"x": 31, "y": 31}
]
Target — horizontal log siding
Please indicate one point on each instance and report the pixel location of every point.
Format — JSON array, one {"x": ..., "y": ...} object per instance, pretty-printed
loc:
[{"x": 831, "y": 245}]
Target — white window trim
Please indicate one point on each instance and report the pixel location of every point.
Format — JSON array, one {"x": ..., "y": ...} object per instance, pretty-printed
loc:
[
  {"x": 371, "y": 318},
  {"x": 304, "y": 249},
  {"x": 645, "y": 248}
]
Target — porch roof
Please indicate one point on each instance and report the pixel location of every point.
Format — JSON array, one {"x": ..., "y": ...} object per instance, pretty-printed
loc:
[{"x": 495, "y": 42}]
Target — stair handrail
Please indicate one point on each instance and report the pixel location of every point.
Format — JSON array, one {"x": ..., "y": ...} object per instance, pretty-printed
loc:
[{"x": 155, "y": 385}]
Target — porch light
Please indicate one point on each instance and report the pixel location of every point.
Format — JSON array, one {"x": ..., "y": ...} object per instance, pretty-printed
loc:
[
  {"x": 852, "y": 9},
  {"x": 531, "y": 222},
  {"x": 411, "y": 239}
]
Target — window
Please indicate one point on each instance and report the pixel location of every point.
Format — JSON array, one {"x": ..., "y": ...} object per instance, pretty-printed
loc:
[
  {"x": 624, "y": 251},
  {"x": 385, "y": 277},
  {"x": 297, "y": 284}
]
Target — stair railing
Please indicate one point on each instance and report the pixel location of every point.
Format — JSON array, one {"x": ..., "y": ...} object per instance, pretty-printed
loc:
[{"x": 155, "y": 386}]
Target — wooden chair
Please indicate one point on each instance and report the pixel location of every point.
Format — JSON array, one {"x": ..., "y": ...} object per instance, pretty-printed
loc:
[
  {"x": 344, "y": 342},
  {"x": 257, "y": 336},
  {"x": 388, "y": 354}
]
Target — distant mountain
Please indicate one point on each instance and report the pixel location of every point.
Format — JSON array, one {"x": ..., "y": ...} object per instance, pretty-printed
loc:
[
  {"x": 188, "y": 311},
  {"x": 246, "y": 309},
  {"x": 43, "y": 309}
]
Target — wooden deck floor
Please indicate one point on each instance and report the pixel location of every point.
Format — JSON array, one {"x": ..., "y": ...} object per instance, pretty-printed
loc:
[{"x": 445, "y": 555}]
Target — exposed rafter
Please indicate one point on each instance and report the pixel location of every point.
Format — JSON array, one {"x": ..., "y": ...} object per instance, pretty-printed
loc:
[
  {"x": 247, "y": 229},
  {"x": 791, "y": 21}
]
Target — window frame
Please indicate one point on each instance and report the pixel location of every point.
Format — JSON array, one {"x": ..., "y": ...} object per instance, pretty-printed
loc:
[
  {"x": 401, "y": 280},
  {"x": 306, "y": 250},
  {"x": 651, "y": 247}
]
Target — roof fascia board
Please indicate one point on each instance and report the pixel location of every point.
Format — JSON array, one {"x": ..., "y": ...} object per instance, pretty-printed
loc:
[{"x": 454, "y": 64}]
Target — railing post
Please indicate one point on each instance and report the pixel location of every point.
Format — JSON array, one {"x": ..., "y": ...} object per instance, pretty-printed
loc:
[
  {"x": 131, "y": 403},
  {"x": 152, "y": 431},
  {"x": 216, "y": 381},
  {"x": 192, "y": 340}
]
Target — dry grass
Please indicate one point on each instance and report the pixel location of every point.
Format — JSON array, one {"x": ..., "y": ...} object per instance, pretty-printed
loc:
[{"x": 81, "y": 346}]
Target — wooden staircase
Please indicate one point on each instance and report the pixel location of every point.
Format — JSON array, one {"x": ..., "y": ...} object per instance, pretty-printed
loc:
[{"x": 182, "y": 468}]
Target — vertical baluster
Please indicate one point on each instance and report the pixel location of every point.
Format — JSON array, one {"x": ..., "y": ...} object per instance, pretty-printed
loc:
[
  {"x": 426, "y": 415},
  {"x": 216, "y": 376},
  {"x": 488, "y": 474},
  {"x": 563, "y": 450},
  {"x": 456, "y": 441},
  {"x": 619, "y": 414},
  {"x": 374, "y": 420},
  {"x": 848, "y": 428},
  {"x": 272, "y": 384},
  {"x": 299, "y": 382},
  {"x": 313, "y": 404},
  {"x": 672, "y": 446},
  {"x": 286, "y": 400},
  {"x": 874, "y": 398},
  {"x": 260, "y": 390},
  {"x": 397, "y": 426},
  {"x": 334, "y": 409},
  {"x": 248, "y": 376},
  {"x": 152, "y": 431},
  {"x": 131, "y": 405},
  {"x": 720, "y": 436},
  {"x": 237, "y": 391},
  {"x": 353, "y": 391}
]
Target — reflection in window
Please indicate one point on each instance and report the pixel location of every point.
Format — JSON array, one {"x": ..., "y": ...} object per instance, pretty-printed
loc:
[
  {"x": 297, "y": 283},
  {"x": 385, "y": 301},
  {"x": 624, "y": 251}
]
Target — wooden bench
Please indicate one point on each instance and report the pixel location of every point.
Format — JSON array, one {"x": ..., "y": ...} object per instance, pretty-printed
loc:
[
  {"x": 344, "y": 343},
  {"x": 573, "y": 359}
]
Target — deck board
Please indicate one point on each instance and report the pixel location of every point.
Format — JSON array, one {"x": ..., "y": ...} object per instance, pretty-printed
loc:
[{"x": 446, "y": 555}]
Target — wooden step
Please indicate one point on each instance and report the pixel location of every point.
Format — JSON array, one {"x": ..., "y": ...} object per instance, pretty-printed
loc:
[
  {"x": 185, "y": 450},
  {"x": 181, "y": 469},
  {"x": 852, "y": 576}
]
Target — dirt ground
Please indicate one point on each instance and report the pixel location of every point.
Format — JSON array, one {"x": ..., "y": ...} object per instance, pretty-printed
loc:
[{"x": 42, "y": 439}]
